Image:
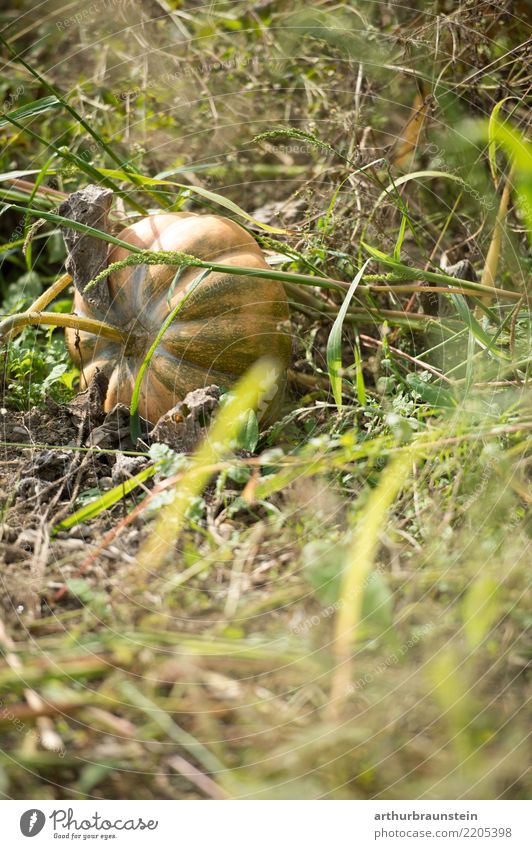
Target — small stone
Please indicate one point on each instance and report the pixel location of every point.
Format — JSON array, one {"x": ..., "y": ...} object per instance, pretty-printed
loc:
[
  {"x": 184, "y": 425},
  {"x": 126, "y": 467},
  {"x": 82, "y": 531}
]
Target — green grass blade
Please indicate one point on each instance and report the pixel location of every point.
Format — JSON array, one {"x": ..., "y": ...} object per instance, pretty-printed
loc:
[
  {"x": 134, "y": 407},
  {"x": 107, "y": 500},
  {"x": 248, "y": 394},
  {"x": 80, "y": 163},
  {"x": 334, "y": 342},
  {"x": 30, "y": 110},
  {"x": 361, "y": 386},
  {"x": 480, "y": 335},
  {"x": 74, "y": 225},
  {"x": 417, "y": 175},
  {"x": 63, "y": 102},
  {"x": 519, "y": 149},
  {"x": 492, "y": 137},
  {"x": 409, "y": 273},
  {"x": 38, "y": 181},
  {"x": 214, "y": 197},
  {"x": 400, "y": 238}
]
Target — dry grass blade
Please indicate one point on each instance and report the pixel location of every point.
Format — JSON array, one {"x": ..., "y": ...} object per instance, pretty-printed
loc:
[
  {"x": 50, "y": 739},
  {"x": 489, "y": 272}
]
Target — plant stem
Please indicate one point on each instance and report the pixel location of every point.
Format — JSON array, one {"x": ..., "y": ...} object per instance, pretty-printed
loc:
[
  {"x": 54, "y": 319},
  {"x": 46, "y": 298},
  {"x": 176, "y": 258}
]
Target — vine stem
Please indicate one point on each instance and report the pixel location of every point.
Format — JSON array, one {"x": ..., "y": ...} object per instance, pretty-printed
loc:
[
  {"x": 54, "y": 319},
  {"x": 43, "y": 300}
]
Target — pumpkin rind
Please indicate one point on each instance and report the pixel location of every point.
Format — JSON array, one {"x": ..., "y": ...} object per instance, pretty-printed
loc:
[{"x": 226, "y": 325}]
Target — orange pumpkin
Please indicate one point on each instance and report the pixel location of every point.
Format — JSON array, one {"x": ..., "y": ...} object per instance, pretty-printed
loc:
[{"x": 227, "y": 323}]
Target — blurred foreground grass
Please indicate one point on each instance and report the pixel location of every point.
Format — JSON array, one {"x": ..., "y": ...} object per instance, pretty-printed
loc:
[{"x": 346, "y": 614}]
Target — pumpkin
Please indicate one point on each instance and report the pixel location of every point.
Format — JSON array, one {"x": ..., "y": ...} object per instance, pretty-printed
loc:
[{"x": 227, "y": 323}]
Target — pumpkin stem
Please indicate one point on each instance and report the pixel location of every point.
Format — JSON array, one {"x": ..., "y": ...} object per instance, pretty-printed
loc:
[
  {"x": 54, "y": 319},
  {"x": 87, "y": 254}
]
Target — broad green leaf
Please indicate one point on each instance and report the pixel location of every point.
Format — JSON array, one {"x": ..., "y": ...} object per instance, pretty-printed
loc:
[{"x": 249, "y": 435}]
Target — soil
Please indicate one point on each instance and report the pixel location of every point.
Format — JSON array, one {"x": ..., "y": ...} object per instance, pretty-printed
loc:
[
  {"x": 57, "y": 459},
  {"x": 44, "y": 477}
]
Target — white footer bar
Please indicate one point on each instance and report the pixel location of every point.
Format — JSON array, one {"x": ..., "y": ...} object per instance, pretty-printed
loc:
[{"x": 267, "y": 824}]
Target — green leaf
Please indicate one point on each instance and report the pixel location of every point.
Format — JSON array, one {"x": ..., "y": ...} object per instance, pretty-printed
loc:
[
  {"x": 417, "y": 175},
  {"x": 440, "y": 279},
  {"x": 479, "y": 334},
  {"x": 431, "y": 394},
  {"x": 248, "y": 437},
  {"x": 74, "y": 225},
  {"x": 81, "y": 589},
  {"x": 400, "y": 238},
  {"x": 15, "y": 175},
  {"x": 168, "y": 461},
  {"x": 214, "y": 197},
  {"x": 56, "y": 373},
  {"x": 334, "y": 342},
  {"x": 492, "y": 136},
  {"x": 519, "y": 149},
  {"x": 177, "y": 278},
  {"x": 36, "y": 107}
]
